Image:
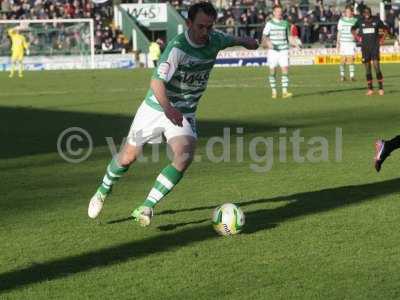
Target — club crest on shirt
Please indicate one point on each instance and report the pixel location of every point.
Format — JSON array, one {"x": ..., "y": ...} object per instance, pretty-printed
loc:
[{"x": 163, "y": 70}]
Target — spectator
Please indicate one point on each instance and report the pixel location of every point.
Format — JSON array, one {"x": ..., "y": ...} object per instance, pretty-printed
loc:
[
  {"x": 390, "y": 22},
  {"x": 305, "y": 31},
  {"x": 230, "y": 23}
]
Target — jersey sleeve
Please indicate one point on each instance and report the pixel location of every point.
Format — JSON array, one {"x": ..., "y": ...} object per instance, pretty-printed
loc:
[
  {"x": 339, "y": 26},
  {"x": 25, "y": 43},
  {"x": 267, "y": 30},
  {"x": 357, "y": 25},
  {"x": 225, "y": 40},
  {"x": 168, "y": 64},
  {"x": 11, "y": 32}
]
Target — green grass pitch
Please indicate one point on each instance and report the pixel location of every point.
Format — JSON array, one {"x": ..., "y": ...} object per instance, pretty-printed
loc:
[{"x": 324, "y": 230}]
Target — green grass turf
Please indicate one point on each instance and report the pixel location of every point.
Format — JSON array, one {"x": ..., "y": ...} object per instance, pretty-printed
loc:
[{"x": 314, "y": 230}]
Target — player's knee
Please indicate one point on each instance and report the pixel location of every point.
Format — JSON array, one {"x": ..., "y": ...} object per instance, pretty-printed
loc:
[
  {"x": 183, "y": 153},
  {"x": 128, "y": 155}
]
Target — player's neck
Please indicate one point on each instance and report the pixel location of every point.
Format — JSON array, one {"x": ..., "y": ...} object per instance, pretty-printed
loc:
[{"x": 189, "y": 37}]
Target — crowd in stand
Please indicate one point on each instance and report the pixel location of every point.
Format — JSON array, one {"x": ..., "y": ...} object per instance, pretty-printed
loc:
[
  {"x": 108, "y": 38},
  {"x": 311, "y": 23}
]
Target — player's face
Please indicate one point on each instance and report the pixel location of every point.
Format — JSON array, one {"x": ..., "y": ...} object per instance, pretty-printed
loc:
[
  {"x": 366, "y": 13},
  {"x": 348, "y": 13},
  {"x": 201, "y": 27},
  {"x": 278, "y": 13}
]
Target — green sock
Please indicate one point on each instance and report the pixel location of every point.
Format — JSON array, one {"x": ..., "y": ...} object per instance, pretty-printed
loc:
[
  {"x": 272, "y": 82},
  {"x": 113, "y": 174},
  {"x": 351, "y": 70},
  {"x": 165, "y": 182},
  {"x": 285, "y": 82},
  {"x": 341, "y": 69}
]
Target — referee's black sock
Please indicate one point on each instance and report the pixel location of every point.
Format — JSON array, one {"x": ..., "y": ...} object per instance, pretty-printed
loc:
[
  {"x": 379, "y": 77},
  {"x": 369, "y": 81},
  {"x": 393, "y": 144}
]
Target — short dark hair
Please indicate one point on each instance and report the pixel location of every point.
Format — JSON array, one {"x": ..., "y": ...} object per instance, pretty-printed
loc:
[
  {"x": 349, "y": 6},
  {"x": 369, "y": 10},
  {"x": 276, "y": 6},
  {"x": 205, "y": 7}
]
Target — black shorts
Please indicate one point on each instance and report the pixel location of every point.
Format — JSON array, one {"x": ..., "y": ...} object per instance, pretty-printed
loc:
[{"x": 370, "y": 53}]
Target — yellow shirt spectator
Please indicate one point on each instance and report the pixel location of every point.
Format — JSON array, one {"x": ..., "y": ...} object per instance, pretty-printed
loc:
[
  {"x": 18, "y": 45},
  {"x": 154, "y": 52}
]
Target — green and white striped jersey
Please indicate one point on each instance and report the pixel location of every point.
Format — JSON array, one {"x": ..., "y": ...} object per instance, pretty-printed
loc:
[
  {"x": 344, "y": 30},
  {"x": 185, "y": 68},
  {"x": 278, "y": 32}
]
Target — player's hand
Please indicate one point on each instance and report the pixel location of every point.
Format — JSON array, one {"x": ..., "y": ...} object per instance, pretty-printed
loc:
[
  {"x": 174, "y": 115},
  {"x": 27, "y": 52},
  {"x": 248, "y": 43}
]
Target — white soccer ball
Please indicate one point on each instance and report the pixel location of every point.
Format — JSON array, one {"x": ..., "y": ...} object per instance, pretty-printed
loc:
[{"x": 228, "y": 219}]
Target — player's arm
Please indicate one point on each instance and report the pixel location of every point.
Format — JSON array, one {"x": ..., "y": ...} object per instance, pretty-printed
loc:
[
  {"x": 338, "y": 34},
  {"x": 383, "y": 31},
  {"x": 355, "y": 31},
  {"x": 265, "y": 40},
  {"x": 166, "y": 69},
  {"x": 160, "y": 92},
  {"x": 247, "y": 42},
  {"x": 25, "y": 44}
]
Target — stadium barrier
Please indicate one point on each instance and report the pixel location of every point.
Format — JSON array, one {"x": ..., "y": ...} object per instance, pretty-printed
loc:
[
  {"x": 105, "y": 61},
  {"x": 228, "y": 58}
]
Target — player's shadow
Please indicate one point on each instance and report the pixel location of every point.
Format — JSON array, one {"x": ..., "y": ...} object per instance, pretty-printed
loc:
[
  {"x": 330, "y": 91},
  {"x": 299, "y": 205},
  {"x": 30, "y": 131}
]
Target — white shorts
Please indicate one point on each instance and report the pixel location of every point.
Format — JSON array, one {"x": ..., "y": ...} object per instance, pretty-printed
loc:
[
  {"x": 347, "y": 49},
  {"x": 149, "y": 125},
  {"x": 278, "y": 58}
]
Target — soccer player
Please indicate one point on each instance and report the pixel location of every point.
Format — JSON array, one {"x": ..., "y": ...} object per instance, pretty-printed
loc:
[
  {"x": 346, "y": 43},
  {"x": 276, "y": 40},
  {"x": 371, "y": 31},
  {"x": 18, "y": 48},
  {"x": 383, "y": 150},
  {"x": 169, "y": 107}
]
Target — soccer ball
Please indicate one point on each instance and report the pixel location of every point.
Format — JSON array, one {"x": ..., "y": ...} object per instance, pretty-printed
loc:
[{"x": 228, "y": 219}]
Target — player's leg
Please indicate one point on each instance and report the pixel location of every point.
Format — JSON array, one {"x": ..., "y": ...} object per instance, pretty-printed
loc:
[
  {"x": 272, "y": 82},
  {"x": 285, "y": 82},
  {"x": 284, "y": 64},
  {"x": 20, "y": 66},
  {"x": 366, "y": 59},
  {"x": 342, "y": 68},
  {"x": 379, "y": 76},
  {"x": 350, "y": 62},
  {"x": 117, "y": 167},
  {"x": 383, "y": 149},
  {"x": 183, "y": 148},
  {"x": 368, "y": 73},
  {"x": 12, "y": 66},
  {"x": 272, "y": 63},
  {"x": 145, "y": 127}
]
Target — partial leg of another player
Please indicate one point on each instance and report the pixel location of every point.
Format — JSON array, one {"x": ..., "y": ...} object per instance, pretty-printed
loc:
[
  {"x": 285, "y": 83},
  {"x": 342, "y": 68},
  {"x": 12, "y": 68},
  {"x": 183, "y": 148},
  {"x": 379, "y": 76},
  {"x": 368, "y": 72},
  {"x": 350, "y": 62},
  {"x": 383, "y": 150},
  {"x": 20, "y": 68},
  {"x": 117, "y": 167},
  {"x": 272, "y": 82}
]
